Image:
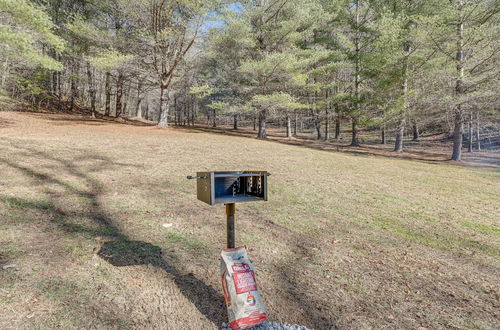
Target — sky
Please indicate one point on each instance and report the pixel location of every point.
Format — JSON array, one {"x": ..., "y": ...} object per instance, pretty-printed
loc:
[{"x": 213, "y": 22}]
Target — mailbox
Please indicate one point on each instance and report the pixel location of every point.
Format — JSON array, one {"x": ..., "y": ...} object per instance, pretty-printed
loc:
[{"x": 231, "y": 187}]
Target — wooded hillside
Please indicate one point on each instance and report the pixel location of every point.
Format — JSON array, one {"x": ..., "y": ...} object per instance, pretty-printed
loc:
[{"x": 391, "y": 67}]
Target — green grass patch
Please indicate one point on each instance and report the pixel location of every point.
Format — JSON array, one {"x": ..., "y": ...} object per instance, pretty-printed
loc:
[
  {"x": 482, "y": 228},
  {"x": 21, "y": 203},
  {"x": 9, "y": 250},
  {"x": 78, "y": 249},
  {"x": 420, "y": 216},
  {"x": 433, "y": 239},
  {"x": 57, "y": 288}
]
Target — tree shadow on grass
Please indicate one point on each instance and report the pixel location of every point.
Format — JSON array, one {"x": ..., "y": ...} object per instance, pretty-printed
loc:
[
  {"x": 290, "y": 278},
  {"x": 120, "y": 250},
  {"x": 128, "y": 253}
]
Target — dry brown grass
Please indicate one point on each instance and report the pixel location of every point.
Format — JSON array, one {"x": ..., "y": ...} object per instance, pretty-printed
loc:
[
  {"x": 345, "y": 241},
  {"x": 430, "y": 148}
]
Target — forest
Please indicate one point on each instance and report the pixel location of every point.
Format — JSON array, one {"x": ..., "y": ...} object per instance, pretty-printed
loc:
[{"x": 395, "y": 68}]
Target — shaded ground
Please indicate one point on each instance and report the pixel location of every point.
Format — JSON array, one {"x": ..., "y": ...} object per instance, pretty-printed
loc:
[{"x": 346, "y": 241}]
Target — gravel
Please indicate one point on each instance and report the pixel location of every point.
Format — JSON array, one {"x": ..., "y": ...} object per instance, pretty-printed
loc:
[{"x": 270, "y": 326}]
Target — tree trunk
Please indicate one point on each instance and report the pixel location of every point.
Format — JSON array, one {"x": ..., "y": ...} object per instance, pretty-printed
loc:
[
  {"x": 317, "y": 118},
  {"x": 59, "y": 91},
  {"x": 416, "y": 133},
  {"x": 186, "y": 114},
  {"x": 194, "y": 112},
  {"x": 74, "y": 86},
  {"x": 354, "y": 140},
  {"x": 119, "y": 94},
  {"x": 92, "y": 95},
  {"x": 327, "y": 124},
  {"x": 146, "y": 114},
  {"x": 164, "y": 107},
  {"x": 337, "y": 126},
  {"x": 357, "y": 43},
  {"x": 262, "y": 125},
  {"x": 177, "y": 113},
  {"x": 138, "y": 107},
  {"x": 54, "y": 83},
  {"x": 235, "y": 122},
  {"x": 50, "y": 82},
  {"x": 470, "y": 136},
  {"x": 254, "y": 123},
  {"x": 214, "y": 122},
  {"x": 138, "y": 112},
  {"x": 5, "y": 73},
  {"x": 55, "y": 79},
  {"x": 458, "y": 137},
  {"x": 459, "y": 126},
  {"x": 126, "y": 99},
  {"x": 99, "y": 87},
  {"x": 478, "y": 135},
  {"x": 288, "y": 126},
  {"x": 400, "y": 131},
  {"x": 317, "y": 124},
  {"x": 107, "y": 110},
  {"x": 382, "y": 135},
  {"x": 190, "y": 110},
  {"x": 295, "y": 124}
]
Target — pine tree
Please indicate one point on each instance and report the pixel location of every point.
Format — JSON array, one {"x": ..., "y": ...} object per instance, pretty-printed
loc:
[
  {"x": 26, "y": 33},
  {"x": 401, "y": 51},
  {"x": 274, "y": 63},
  {"x": 469, "y": 37},
  {"x": 352, "y": 34}
]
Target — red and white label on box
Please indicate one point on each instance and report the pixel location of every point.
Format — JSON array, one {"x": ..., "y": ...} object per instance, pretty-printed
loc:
[
  {"x": 244, "y": 282},
  {"x": 240, "y": 268}
]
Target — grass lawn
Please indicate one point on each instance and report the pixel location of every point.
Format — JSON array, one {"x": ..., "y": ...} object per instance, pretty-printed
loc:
[{"x": 345, "y": 240}]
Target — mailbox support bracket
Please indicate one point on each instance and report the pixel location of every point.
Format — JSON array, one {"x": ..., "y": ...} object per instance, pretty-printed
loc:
[{"x": 230, "y": 210}]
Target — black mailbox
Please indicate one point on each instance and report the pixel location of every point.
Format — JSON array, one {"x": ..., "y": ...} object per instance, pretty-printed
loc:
[{"x": 231, "y": 187}]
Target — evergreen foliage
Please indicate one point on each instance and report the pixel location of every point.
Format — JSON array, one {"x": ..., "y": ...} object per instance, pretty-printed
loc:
[{"x": 388, "y": 65}]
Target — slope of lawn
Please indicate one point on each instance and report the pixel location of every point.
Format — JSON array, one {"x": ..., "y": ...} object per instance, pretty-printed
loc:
[{"x": 345, "y": 241}]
